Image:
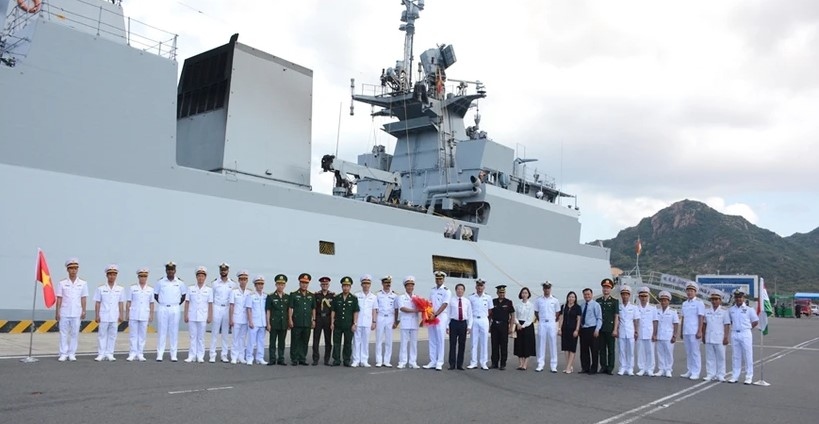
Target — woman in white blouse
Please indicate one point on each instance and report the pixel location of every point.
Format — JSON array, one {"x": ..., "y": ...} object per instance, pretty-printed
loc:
[{"x": 524, "y": 318}]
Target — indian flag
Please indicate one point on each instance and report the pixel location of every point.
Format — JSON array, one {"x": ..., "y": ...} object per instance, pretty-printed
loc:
[{"x": 763, "y": 307}]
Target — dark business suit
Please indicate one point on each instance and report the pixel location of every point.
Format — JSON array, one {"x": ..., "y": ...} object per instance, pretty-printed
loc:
[{"x": 590, "y": 321}]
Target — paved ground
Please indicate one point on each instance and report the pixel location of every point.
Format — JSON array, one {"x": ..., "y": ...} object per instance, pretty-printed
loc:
[{"x": 84, "y": 391}]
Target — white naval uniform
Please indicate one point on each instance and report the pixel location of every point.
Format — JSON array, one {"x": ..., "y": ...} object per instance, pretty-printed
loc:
[
  {"x": 665, "y": 349},
  {"x": 383, "y": 326},
  {"x": 742, "y": 319},
  {"x": 254, "y": 305},
  {"x": 629, "y": 321},
  {"x": 438, "y": 296},
  {"x": 220, "y": 326},
  {"x": 169, "y": 293},
  {"x": 691, "y": 311},
  {"x": 139, "y": 313},
  {"x": 645, "y": 346},
  {"x": 715, "y": 321},
  {"x": 361, "y": 339},
  {"x": 70, "y": 313},
  {"x": 237, "y": 301},
  {"x": 110, "y": 299},
  {"x": 546, "y": 309},
  {"x": 408, "y": 323},
  {"x": 480, "y": 329},
  {"x": 199, "y": 298}
]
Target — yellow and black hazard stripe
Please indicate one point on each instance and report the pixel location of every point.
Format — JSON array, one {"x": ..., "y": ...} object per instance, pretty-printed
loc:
[{"x": 52, "y": 326}]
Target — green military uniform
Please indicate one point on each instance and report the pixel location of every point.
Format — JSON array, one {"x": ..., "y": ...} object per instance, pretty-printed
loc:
[
  {"x": 344, "y": 309},
  {"x": 276, "y": 306},
  {"x": 302, "y": 307},
  {"x": 610, "y": 308}
]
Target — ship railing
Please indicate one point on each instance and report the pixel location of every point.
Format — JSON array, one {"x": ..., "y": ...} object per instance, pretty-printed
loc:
[
  {"x": 378, "y": 90},
  {"x": 374, "y": 90},
  {"x": 12, "y": 36},
  {"x": 136, "y": 34},
  {"x": 532, "y": 176}
]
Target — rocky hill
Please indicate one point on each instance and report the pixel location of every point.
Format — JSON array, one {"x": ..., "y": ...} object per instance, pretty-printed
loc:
[{"x": 690, "y": 238}]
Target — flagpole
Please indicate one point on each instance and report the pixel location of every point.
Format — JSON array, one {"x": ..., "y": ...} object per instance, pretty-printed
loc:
[
  {"x": 30, "y": 359},
  {"x": 761, "y": 381}
]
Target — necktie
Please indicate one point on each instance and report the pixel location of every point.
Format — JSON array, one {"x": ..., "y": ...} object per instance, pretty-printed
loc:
[
  {"x": 583, "y": 318},
  {"x": 460, "y": 310}
]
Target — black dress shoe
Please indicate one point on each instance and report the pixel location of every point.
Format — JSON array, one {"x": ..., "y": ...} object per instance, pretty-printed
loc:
[
  {"x": 583, "y": 372},
  {"x": 502, "y": 367},
  {"x": 335, "y": 364},
  {"x": 461, "y": 368},
  {"x": 315, "y": 363},
  {"x": 304, "y": 363},
  {"x": 493, "y": 366},
  {"x": 347, "y": 364},
  {"x": 326, "y": 363},
  {"x": 282, "y": 363},
  {"x": 270, "y": 364},
  {"x": 450, "y": 368},
  {"x": 592, "y": 372}
]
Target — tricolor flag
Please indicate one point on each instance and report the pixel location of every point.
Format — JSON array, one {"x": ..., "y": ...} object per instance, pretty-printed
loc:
[
  {"x": 639, "y": 247},
  {"x": 763, "y": 307},
  {"x": 44, "y": 276}
]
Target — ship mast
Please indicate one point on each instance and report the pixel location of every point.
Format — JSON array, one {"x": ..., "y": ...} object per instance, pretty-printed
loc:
[{"x": 408, "y": 16}]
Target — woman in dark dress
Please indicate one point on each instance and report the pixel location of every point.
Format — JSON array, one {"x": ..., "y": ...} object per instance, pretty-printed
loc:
[
  {"x": 568, "y": 327},
  {"x": 524, "y": 328}
]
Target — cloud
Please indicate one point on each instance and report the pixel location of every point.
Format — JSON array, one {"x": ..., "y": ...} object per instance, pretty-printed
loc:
[{"x": 633, "y": 104}]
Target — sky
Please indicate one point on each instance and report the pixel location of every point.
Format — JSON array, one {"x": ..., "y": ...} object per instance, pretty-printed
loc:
[{"x": 631, "y": 105}]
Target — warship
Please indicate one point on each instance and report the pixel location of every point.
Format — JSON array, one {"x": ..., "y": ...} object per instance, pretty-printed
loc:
[{"x": 110, "y": 155}]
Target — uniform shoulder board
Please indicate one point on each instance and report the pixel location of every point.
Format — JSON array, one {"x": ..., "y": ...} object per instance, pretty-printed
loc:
[{"x": 446, "y": 288}]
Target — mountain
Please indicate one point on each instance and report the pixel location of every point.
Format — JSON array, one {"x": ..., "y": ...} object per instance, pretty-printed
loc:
[
  {"x": 809, "y": 241},
  {"x": 690, "y": 238}
]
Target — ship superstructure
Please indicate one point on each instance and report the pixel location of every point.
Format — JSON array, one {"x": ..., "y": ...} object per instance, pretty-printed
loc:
[{"x": 104, "y": 156}]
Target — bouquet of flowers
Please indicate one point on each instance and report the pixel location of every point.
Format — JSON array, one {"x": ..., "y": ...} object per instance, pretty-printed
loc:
[{"x": 425, "y": 307}]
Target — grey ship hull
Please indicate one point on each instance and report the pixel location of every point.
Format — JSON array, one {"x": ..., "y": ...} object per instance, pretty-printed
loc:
[{"x": 88, "y": 169}]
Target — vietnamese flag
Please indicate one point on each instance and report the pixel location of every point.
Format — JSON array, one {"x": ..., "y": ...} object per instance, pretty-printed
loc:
[{"x": 44, "y": 276}]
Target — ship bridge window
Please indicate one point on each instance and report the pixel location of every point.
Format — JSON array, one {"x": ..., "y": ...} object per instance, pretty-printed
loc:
[
  {"x": 327, "y": 247},
  {"x": 455, "y": 267}
]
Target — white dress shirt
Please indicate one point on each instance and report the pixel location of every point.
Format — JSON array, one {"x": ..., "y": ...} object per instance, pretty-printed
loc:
[
  {"x": 466, "y": 310},
  {"x": 408, "y": 320},
  {"x": 366, "y": 304},
  {"x": 628, "y": 316},
  {"x": 647, "y": 315},
  {"x": 546, "y": 308},
  {"x": 525, "y": 311},
  {"x": 237, "y": 299},
  {"x": 440, "y": 296},
  {"x": 170, "y": 292},
  {"x": 665, "y": 323},
  {"x": 198, "y": 300},
  {"x": 480, "y": 305},
  {"x": 109, "y": 298},
  {"x": 71, "y": 293},
  {"x": 691, "y": 311},
  {"x": 222, "y": 291},
  {"x": 141, "y": 299},
  {"x": 715, "y": 320},
  {"x": 385, "y": 302}
]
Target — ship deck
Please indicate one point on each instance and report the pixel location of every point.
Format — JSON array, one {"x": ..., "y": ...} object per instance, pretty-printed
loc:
[{"x": 78, "y": 392}]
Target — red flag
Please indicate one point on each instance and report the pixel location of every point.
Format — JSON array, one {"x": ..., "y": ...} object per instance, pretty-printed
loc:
[
  {"x": 639, "y": 246},
  {"x": 44, "y": 276}
]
